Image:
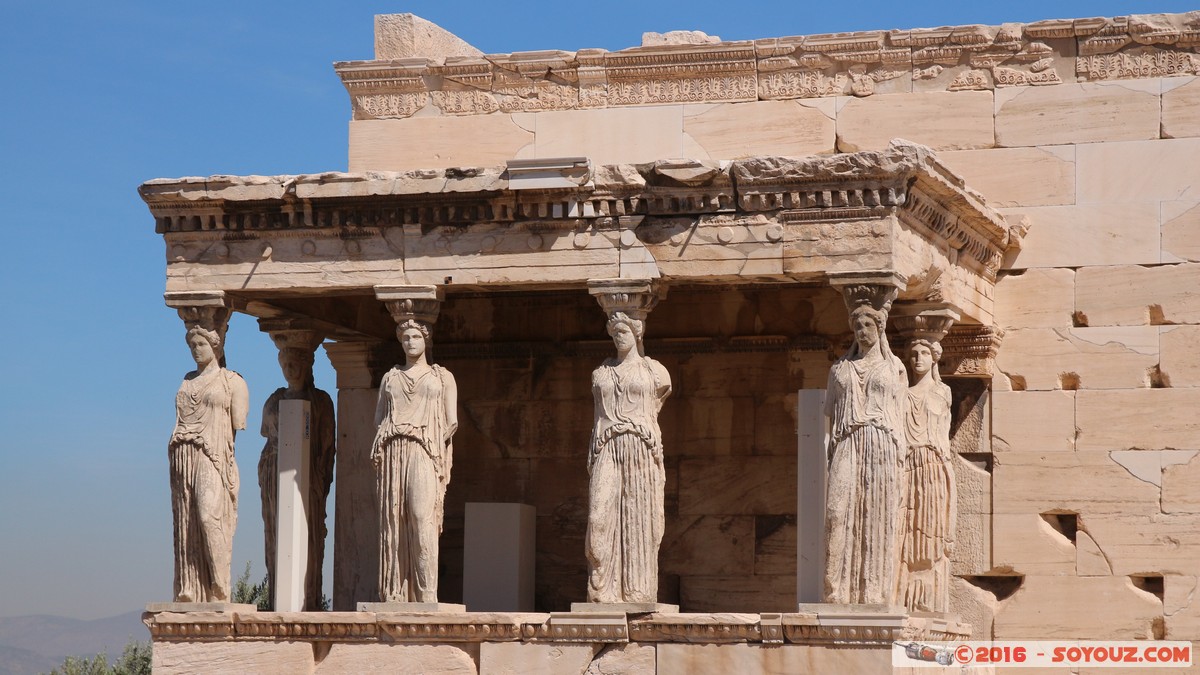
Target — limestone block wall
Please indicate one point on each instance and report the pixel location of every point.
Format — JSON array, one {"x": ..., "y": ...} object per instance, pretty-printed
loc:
[{"x": 736, "y": 358}]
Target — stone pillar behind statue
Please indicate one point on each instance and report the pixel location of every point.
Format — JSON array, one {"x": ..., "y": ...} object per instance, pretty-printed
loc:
[
  {"x": 498, "y": 557},
  {"x": 291, "y": 557},
  {"x": 812, "y": 462},
  {"x": 359, "y": 366}
]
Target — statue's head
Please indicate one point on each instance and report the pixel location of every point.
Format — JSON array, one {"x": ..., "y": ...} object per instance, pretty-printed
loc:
[
  {"x": 626, "y": 331},
  {"x": 868, "y": 325},
  {"x": 415, "y": 338},
  {"x": 923, "y": 356},
  {"x": 204, "y": 344},
  {"x": 297, "y": 366}
]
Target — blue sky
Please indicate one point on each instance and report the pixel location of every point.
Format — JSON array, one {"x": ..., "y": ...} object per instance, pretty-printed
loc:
[{"x": 98, "y": 97}]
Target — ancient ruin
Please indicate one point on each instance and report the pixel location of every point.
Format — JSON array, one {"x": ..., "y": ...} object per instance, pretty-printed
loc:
[{"x": 918, "y": 232}]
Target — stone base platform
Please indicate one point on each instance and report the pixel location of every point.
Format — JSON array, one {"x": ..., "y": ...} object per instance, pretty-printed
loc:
[
  {"x": 623, "y": 608},
  {"x": 824, "y": 640},
  {"x": 411, "y": 607}
]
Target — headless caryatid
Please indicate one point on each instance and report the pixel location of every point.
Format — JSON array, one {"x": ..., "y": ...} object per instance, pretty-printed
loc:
[
  {"x": 296, "y": 349},
  {"x": 210, "y": 407},
  {"x": 931, "y": 498},
  {"x": 865, "y": 494}
]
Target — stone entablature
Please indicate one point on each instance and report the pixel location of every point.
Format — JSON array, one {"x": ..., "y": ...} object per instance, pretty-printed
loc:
[
  {"x": 765, "y": 219},
  {"x": 957, "y": 58}
]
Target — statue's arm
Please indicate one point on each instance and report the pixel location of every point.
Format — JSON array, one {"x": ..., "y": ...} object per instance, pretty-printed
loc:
[
  {"x": 662, "y": 379},
  {"x": 328, "y": 419},
  {"x": 381, "y": 403},
  {"x": 450, "y": 398},
  {"x": 239, "y": 404}
]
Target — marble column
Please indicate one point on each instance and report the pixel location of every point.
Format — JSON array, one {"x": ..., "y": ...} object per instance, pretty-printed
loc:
[
  {"x": 359, "y": 366},
  {"x": 297, "y": 343},
  {"x": 627, "y": 478},
  {"x": 211, "y": 407}
]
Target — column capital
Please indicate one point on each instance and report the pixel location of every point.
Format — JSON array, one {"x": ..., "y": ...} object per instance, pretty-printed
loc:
[
  {"x": 923, "y": 320},
  {"x": 970, "y": 351},
  {"x": 360, "y": 364},
  {"x": 411, "y": 303},
  {"x": 876, "y": 289},
  {"x": 290, "y": 333},
  {"x": 634, "y": 297},
  {"x": 206, "y": 309}
]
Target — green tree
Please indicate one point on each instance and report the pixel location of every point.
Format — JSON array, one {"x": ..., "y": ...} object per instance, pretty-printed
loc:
[
  {"x": 252, "y": 594},
  {"x": 134, "y": 660}
]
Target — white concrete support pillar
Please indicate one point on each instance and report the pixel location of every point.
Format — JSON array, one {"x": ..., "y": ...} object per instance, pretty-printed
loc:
[
  {"x": 812, "y": 465},
  {"x": 359, "y": 367},
  {"x": 291, "y": 557},
  {"x": 498, "y": 557}
]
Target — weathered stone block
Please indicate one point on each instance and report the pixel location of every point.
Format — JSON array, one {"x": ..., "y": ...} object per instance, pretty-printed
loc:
[
  {"x": 1084, "y": 608},
  {"x": 348, "y": 657},
  {"x": 608, "y": 135},
  {"x": 1026, "y": 544},
  {"x": 737, "y": 485},
  {"x": 1085, "y": 112},
  {"x": 624, "y": 659},
  {"x": 1018, "y": 176},
  {"x": 1179, "y": 481},
  {"x": 712, "y": 659},
  {"x": 973, "y": 534},
  {"x": 526, "y": 658},
  {"x": 1180, "y": 360},
  {"x": 739, "y": 130},
  {"x": 1148, "y": 545},
  {"x": 1094, "y": 234},
  {"x": 1033, "y": 421},
  {"x": 1161, "y": 294},
  {"x": 1119, "y": 357},
  {"x": 940, "y": 120},
  {"x": 229, "y": 657},
  {"x": 1074, "y": 482},
  {"x": 1037, "y": 298},
  {"x": 1180, "y": 107},
  {"x": 974, "y": 606},
  {"x": 708, "y": 545},
  {"x": 1180, "y": 231},
  {"x": 1181, "y": 606},
  {"x": 775, "y": 545},
  {"x": 1137, "y": 171},
  {"x": 1138, "y": 418},
  {"x": 738, "y": 593},
  {"x": 425, "y": 142}
]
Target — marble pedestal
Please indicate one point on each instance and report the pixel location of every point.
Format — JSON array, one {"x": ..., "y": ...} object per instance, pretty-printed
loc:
[
  {"x": 410, "y": 607},
  {"x": 179, "y": 607},
  {"x": 622, "y": 608}
]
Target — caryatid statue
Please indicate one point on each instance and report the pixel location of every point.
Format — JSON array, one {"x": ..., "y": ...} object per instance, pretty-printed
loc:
[
  {"x": 210, "y": 408},
  {"x": 865, "y": 494},
  {"x": 625, "y": 457},
  {"x": 417, "y": 415},
  {"x": 931, "y": 496},
  {"x": 296, "y": 354}
]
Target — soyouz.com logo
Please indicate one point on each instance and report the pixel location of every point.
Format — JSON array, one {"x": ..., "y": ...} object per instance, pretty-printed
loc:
[{"x": 1043, "y": 654}]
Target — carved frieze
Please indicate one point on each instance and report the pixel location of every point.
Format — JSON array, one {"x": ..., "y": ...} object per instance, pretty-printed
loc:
[
  {"x": 970, "y": 351},
  {"x": 961, "y": 58}
]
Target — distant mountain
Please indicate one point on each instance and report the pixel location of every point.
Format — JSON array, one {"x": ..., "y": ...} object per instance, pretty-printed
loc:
[{"x": 38, "y": 643}]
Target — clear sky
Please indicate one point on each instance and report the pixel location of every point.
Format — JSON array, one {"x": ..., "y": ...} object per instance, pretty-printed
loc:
[{"x": 100, "y": 96}]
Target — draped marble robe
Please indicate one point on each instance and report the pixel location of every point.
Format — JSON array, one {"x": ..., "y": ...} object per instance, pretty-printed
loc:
[
  {"x": 931, "y": 500},
  {"x": 866, "y": 483},
  {"x": 627, "y": 481},
  {"x": 320, "y": 478},
  {"x": 413, "y": 455},
  {"x": 209, "y": 407}
]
